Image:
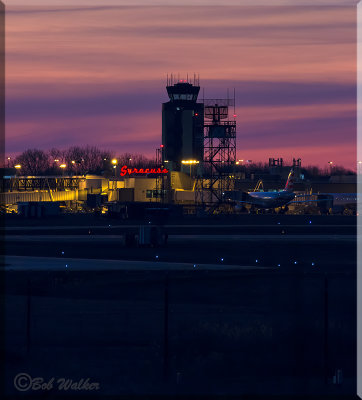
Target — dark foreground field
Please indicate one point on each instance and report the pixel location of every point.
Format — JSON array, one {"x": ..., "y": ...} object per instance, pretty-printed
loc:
[
  {"x": 206, "y": 327},
  {"x": 184, "y": 331}
]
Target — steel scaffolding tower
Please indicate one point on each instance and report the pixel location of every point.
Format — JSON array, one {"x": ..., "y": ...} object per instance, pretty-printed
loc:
[
  {"x": 163, "y": 181},
  {"x": 219, "y": 154}
]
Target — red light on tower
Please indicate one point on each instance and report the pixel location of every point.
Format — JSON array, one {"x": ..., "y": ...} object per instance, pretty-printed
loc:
[
  {"x": 162, "y": 146},
  {"x": 196, "y": 114}
]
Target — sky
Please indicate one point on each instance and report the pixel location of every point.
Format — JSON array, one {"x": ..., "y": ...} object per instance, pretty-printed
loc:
[{"x": 78, "y": 75}]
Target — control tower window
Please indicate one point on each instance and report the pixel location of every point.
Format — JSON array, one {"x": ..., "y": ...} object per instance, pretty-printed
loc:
[{"x": 183, "y": 97}]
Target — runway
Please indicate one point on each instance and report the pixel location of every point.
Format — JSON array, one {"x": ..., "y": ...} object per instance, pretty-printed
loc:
[
  {"x": 328, "y": 242},
  {"x": 21, "y": 263},
  {"x": 180, "y": 238},
  {"x": 190, "y": 226}
]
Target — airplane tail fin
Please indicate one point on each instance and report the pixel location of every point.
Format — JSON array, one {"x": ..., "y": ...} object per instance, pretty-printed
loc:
[{"x": 290, "y": 181}]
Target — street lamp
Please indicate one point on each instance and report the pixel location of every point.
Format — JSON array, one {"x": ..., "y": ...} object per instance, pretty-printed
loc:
[
  {"x": 114, "y": 162},
  {"x": 330, "y": 164},
  {"x": 18, "y": 167},
  {"x": 63, "y": 166},
  {"x": 191, "y": 163}
]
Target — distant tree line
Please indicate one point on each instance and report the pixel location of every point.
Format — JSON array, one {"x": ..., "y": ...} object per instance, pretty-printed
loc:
[
  {"x": 82, "y": 160},
  {"x": 310, "y": 172},
  {"x": 76, "y": 160}
]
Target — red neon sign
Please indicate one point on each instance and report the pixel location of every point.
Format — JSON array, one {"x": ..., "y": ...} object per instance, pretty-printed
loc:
[{"x": 126, "y": 170}]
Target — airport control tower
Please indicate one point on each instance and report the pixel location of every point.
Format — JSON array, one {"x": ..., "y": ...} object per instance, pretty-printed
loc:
[{"x": 182, "y": 124}]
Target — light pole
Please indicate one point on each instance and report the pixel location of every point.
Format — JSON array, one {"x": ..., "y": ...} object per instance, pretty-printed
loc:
[
  {"x": 114, "y": 162},
  {"x": 63, "y": 166},
  {"x": 73, "y": 167},
  {"x": 191, "y": 163},
  {"x": 331, "y": 166},
  {"x": 18, "y": 167}
]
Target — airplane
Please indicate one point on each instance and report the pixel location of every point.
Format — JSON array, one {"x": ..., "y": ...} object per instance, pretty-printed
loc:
[{"x": 273, "y": 200}]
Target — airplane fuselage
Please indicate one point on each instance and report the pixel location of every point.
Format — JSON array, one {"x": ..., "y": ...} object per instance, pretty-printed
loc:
[{"x": 269, "y": 199}]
